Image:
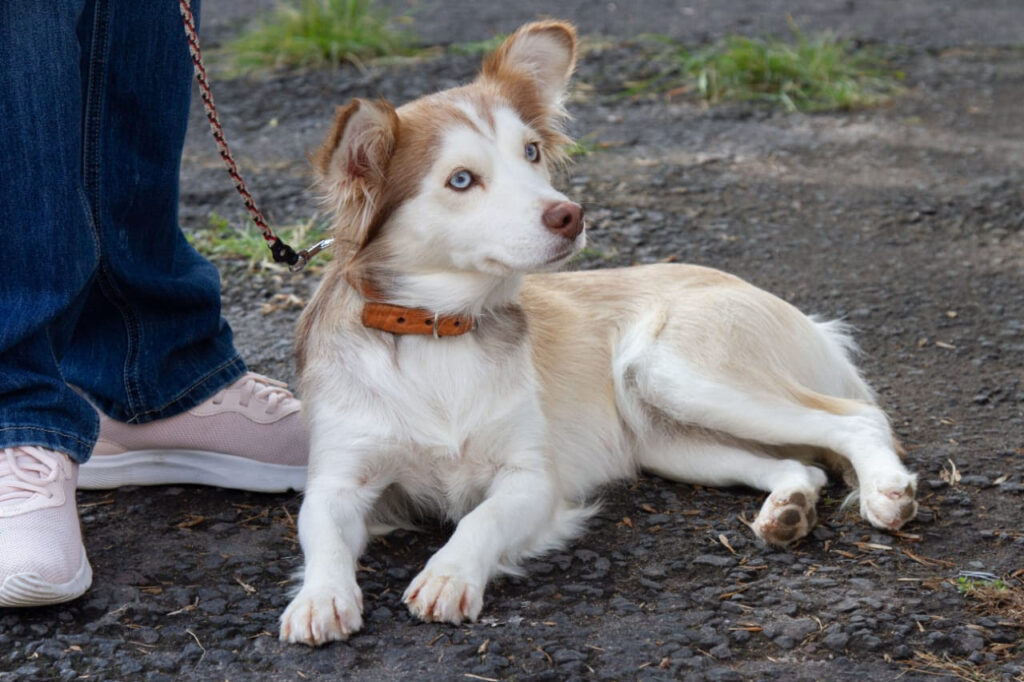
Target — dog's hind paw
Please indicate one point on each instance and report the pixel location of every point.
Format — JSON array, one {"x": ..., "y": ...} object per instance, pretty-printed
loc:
[
  {"x": 318, "y": 616},
  {"x": 786, "y": 517},
  {"x": 889, "y": 504},
  {"x": 436, "y": 596}
]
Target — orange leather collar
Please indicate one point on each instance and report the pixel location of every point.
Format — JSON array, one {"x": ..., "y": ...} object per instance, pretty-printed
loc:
[{"x": 398, "y": 320}]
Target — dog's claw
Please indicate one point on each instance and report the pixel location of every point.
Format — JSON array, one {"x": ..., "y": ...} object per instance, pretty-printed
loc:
[
  {"x": 316, "y": 617},
  {"x": 890, "y": 504},
  {"x": 445, "y": 598}
]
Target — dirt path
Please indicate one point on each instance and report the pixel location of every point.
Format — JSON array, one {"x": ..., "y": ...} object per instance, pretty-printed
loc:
[{"x": 907, "y": 221}]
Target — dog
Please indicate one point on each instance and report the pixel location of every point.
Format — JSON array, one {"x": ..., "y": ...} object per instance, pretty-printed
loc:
[{"x": 447, "y": 369}]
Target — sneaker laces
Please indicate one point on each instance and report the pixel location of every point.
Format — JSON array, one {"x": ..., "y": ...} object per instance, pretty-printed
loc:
[
  {"x": 27, "y": 471},
  {"x": 263, "y": 389}
]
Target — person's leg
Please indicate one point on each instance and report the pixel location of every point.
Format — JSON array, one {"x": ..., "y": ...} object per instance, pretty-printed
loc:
[
  {"x": 152, "y": 350},
  {"x": 48, "y": 249},
  {"x": 48, "y": 257},
  {"x": 151, "y": 342},
  {"x": 90, "y": 224}
]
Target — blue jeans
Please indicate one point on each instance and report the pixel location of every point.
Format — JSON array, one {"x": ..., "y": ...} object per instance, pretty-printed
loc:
[{"x": 98, "y": 287}]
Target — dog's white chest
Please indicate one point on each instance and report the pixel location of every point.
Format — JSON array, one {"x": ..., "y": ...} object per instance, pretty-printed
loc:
[
  {"x": 451, "y": 391},
  {"x": 465, "y": 414}
]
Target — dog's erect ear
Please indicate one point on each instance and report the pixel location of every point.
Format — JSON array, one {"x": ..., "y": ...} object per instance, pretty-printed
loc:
[
  {"x": 352, "y": 162},
  {"x": 544, "y": 51}
]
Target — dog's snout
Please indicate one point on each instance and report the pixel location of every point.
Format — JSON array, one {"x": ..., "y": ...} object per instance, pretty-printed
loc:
[{"x": 564, "y": 218}]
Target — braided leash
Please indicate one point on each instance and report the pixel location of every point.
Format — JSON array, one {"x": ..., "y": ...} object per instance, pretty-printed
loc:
[{"x": 281, "y": 252}]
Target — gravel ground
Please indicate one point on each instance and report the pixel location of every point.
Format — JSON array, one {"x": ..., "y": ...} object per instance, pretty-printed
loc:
[{"x": 908, "y": 221}]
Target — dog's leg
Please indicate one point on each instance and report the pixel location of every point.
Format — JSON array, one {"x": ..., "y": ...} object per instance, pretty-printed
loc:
[
  {"x": 332, "y": 532},
  {"x": 856, "y": 430},
  {"x": 513, "y": 519},
  {"x": 789, "y": 512}
]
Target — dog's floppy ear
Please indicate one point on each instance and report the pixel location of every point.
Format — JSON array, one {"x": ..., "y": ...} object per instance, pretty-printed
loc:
[
  {"x": 352, "y": 162},
  {"x": 544, "y": 52}
]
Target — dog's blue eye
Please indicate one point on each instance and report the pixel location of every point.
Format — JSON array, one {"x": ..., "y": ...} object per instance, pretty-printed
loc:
[
  {"x": 461, "y": 180},
  {"x": 532, "y": 152}
]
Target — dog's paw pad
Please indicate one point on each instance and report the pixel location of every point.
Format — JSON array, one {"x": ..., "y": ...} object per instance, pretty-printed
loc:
[
  {"x": 786, "y": 517},
  {"x": 443, "y": 597},
  {"x": 891, "y": 504},
  {"x": 316, "y": 617}
]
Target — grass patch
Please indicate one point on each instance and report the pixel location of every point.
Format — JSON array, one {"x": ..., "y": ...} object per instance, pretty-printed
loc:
[
  {"x": 807, "y": 73},
  {"x": 994, "y": 597},
  {"x": 990, "y": 596},
  {"x": 967, "y": 585},
  {"x": 478, "y": 47},
  {"x": 592, "y": 252},
  {"x": 927, "y": 663},
  {"x": 223, "y": 240},
  {"x": 589, "y": 144},
  {"x": 319, "y": 32},
  {"x": 584, "y": 146}
]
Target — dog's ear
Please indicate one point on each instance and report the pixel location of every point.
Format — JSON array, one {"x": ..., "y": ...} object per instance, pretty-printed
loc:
[
  {"x": 544, "y": 52},
  {"x": 352, "y": 162}
]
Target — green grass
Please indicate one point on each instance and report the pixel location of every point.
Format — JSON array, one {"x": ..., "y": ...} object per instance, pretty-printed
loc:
[
  {"x": 593, "y": 252},
  {"x": 966, "y": 585},
  {"x": 806, "y": 73},
  {"x": 319, "y": 32},
  {"x": 478, "y": 47},
  {"x": 584, "y": 146},
  {"x": 223, "y": 240}
]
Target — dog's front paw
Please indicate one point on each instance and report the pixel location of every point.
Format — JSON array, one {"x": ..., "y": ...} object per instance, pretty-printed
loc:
[
  {"x": 786, "y": 516},
  {"x": 444, "y": 596},
  {"x": 318, "y": 616},
  {"x": 889, "y": 503}
]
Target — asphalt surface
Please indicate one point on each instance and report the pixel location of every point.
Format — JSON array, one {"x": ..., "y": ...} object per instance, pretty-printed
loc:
[{"x": 907, "y": 220}]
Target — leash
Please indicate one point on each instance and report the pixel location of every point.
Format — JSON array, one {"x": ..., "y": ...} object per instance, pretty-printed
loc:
[
  {"x": 281, "y": 252},
  {"x": 383, "y": 316}
]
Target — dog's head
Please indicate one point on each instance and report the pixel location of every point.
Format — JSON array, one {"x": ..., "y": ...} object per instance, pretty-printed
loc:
[{"x": 459, "y": 181}]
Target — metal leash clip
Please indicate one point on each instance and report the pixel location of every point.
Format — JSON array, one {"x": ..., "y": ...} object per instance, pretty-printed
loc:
[
  {"x": 305, "y": 255},
  {"x": 282, "y": 253}
]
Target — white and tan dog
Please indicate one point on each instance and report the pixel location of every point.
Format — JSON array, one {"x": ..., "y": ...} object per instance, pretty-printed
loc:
[{"x": 440, "y": 378}]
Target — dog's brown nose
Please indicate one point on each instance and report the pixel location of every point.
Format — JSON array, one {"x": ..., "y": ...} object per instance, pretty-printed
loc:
[{"x": 564, "y": 218}]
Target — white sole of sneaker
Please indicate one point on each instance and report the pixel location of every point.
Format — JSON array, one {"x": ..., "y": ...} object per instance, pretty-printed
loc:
[
  {"x": 188, "y": 467},
  {"x": 31, "y": 589}
]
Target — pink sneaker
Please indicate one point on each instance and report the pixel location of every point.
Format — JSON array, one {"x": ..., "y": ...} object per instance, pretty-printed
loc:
[
  {"x": 42, "y": 558},
  {"x": 249, "y": 436}
]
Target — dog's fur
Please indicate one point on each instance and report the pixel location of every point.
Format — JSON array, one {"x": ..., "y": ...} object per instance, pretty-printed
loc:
[{"x": 569, "y": 381}]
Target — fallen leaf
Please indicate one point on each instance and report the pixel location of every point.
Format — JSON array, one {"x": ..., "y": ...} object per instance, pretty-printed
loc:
[
  {"x": 191, "y": 521},
  {"x": 282, "y": 302},
  {"x": 249, "y": 589},
  {"x": 185, "y": 609},
  {"x": 925, "y": 561},
  {"x": 950, "y": 475}
]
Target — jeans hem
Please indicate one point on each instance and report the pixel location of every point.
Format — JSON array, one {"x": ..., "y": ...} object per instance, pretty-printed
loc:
[
  {"x": 199, "y": 391},
  {"x": 77, "y": 448}
]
